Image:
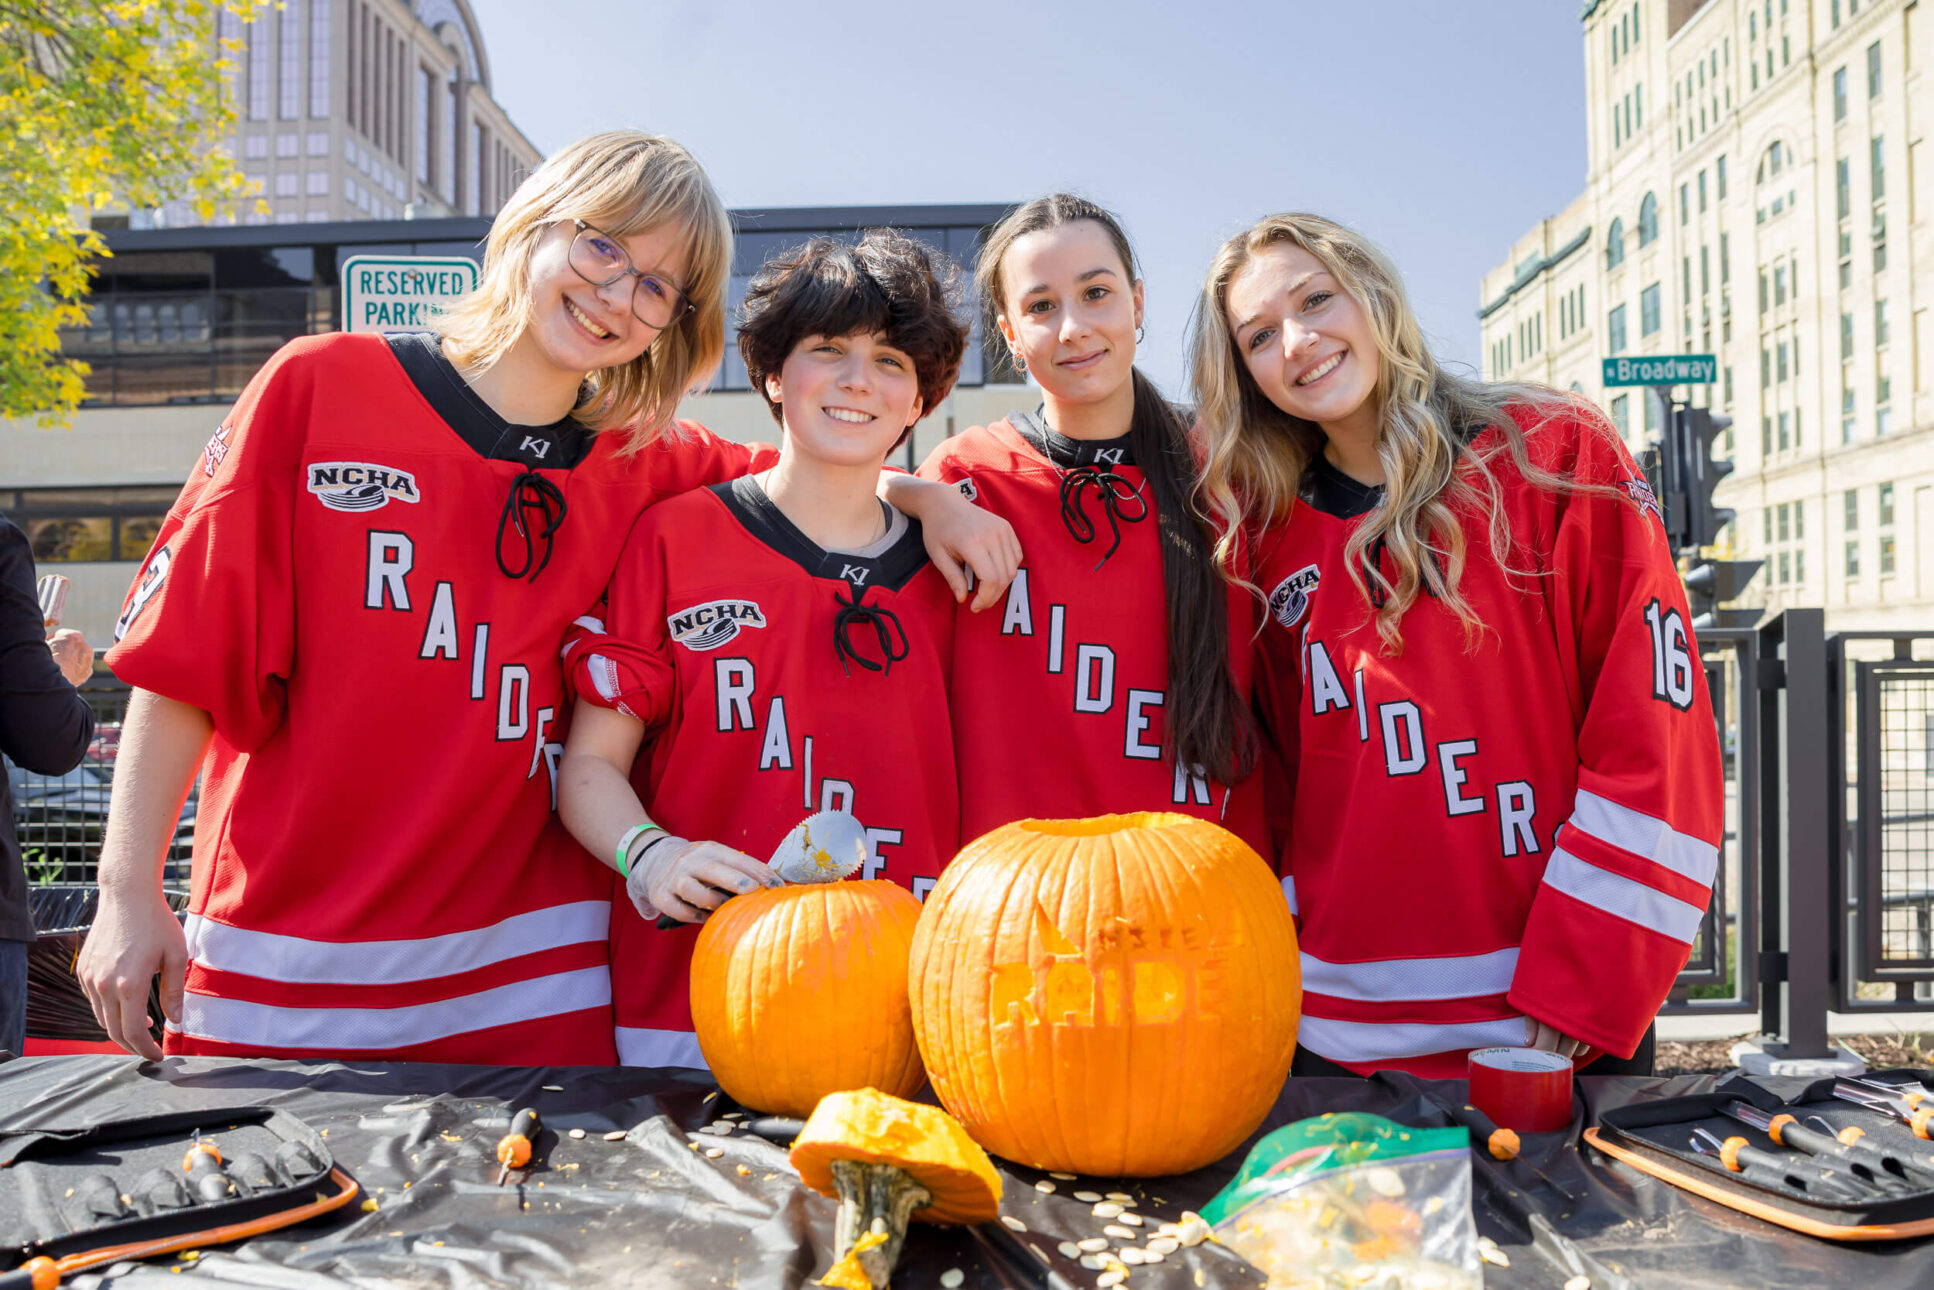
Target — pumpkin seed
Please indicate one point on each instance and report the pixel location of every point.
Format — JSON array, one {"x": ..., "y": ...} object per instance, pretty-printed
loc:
[
  {"x": 616, "y": 1135},
  {"x": 1164, "y": 1245},
  {"x": 1487, "y": 1249},
  {"x": 953, "y": 1277},
  {"x": 1433, "y": 1205},
  {"x": 1045, "y": 1187},
  {"x": 1130, "y": 1255},
  {"x": 553, "y": 1088},
  {"x": 735, "y": 1115},
  {"x": 1131, "y": 1218},
  {"x": 713, "y": 1153},
  {"x": 577, "y": 1133},
  {"x": 1088, "y": 1197},
  {"x": 1012, "y": 1223},
  {"x": 1194, "y": 1229},
  {"x": 1118, "y": 1232},
  {"x": 1121, "y": 1196},
  {"x": 1152, "y": 1256},
  {"x": 1093, "y": 1244},
  {"x": 1579, "y": 1282},
  {"x": 1055, "y": 1173},
  {"x": 1107, "y": 1280},
  {"x": 1069, "y": 1250},
  {"x": 1107, "y": 1209},
  {"x": 1385, "y": 1182},
  {"x": 1091, "y": 1263}
]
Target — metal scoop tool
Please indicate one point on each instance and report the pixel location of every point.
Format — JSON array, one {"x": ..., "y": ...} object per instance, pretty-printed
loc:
[{"x": 826, "y": 846}]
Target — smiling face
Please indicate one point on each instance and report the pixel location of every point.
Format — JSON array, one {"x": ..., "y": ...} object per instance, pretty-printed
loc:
[
  {"x": 577, "y": 327},
  {"x": 1069, "y": 308},
  {"x": 1308, "y": 345},
  {"x": 846, "y": 400}
]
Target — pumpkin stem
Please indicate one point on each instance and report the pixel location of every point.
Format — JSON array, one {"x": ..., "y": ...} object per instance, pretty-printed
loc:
[{"x": 874, "y": 1199}]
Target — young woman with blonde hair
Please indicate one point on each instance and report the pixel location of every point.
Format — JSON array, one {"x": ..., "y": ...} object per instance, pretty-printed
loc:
[
  {"x": 1114, "y": 675},
  {"x": 353, "y": 613},
  {"x": 1477, "y": 662}
]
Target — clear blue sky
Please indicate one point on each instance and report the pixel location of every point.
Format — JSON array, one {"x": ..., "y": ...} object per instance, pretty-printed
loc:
[{"x": 1442, "y": 128}]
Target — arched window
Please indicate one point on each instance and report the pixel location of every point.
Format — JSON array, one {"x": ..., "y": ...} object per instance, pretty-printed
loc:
[
  {"x": 1777, "y": 157},
  {"x": 1649, "y": 220},
  {"x": 1615, "y": 244}
]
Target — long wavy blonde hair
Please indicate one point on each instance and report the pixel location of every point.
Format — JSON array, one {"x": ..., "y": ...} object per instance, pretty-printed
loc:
[
  {"x": 624, "y": 182},
  {"x": 1256, "y": 454}
]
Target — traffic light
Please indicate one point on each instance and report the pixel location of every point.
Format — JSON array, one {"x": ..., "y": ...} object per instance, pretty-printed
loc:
[
  {"x": 1703, "y": 475},
  {"x": 1711, "y": 583}
]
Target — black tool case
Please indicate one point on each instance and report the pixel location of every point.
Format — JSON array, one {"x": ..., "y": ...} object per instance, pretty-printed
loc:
[
  {"x": 1654, "y": 1138},
  {"x": 117, "y": 1190}
]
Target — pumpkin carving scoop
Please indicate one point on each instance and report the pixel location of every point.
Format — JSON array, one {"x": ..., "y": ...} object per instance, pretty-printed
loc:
[
  {"x": 826, "y": 846},
  {"x": 888, "y": 1161}
]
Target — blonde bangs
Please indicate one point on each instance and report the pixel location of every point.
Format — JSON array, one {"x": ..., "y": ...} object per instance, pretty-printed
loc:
[{"x": 624, "y": 182}]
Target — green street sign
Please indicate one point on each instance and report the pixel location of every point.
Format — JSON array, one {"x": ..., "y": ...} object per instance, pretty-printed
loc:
[
  {"x": 402, "y": 292},
  {"x": 1666, "y": 369}
]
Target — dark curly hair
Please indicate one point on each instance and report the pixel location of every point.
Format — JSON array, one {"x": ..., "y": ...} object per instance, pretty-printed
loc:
[{"x": 886, "y": 284}]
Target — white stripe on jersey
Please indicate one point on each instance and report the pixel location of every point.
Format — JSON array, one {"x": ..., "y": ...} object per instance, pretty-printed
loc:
[
  {"x": 1289, "y": 886},
  {"x": 1383, "y": 1041},
  {"x": 1622, "y": 897},
  {"x": 640, "y": 1046},
  {"x": 1467, "y": 976},
  {"x": 266, "y": 1025},
  {"x": 296, "y": 961},
  {"x": 1645, "y": 836}
]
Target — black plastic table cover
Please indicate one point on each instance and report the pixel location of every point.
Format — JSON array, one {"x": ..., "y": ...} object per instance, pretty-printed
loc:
[{"x": 650, "y": 1210}]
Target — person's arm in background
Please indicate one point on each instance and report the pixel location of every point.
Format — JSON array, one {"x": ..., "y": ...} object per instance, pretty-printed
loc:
[{"x": 45, "y": 726}]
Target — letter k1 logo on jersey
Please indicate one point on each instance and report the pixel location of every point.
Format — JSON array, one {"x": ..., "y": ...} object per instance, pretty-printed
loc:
[
  {"x": 360, "y": 486},
  {"x": 713, "y": 623}
]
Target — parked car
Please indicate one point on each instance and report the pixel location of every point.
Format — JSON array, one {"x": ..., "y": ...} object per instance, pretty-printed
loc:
[{"x": 59, "y": 819}]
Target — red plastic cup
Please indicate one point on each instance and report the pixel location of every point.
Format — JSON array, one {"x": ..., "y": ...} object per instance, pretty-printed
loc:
[{"x": 1524, "y": 1089}]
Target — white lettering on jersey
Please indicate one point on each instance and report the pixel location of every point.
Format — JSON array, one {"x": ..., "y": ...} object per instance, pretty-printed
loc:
[
  {"x": 440, "y": 636},
  {"x": 921, "y": 886},
  {"x": 1018, "y": 620},
  {"x": 855, "y": 573},
  {"x": 144, "y": 590},
  {"x": 1455, "y": 776},
  {"x": 513, "y": 701},
  {"x": 534, "y": 446},
  {"x": 477, "y": 654},
  {"x": 1094, "y": 678},
  {"x": 806, "y": 784},
  {"x": 360, "y": 486},
  {"x": 1517, "y": 804},
  {"x": 836, "y": 795},
  {"x": 1325, "y": 687},
  {"x": 776, "y": 748},
  {"x": 732, "y": 679},
  {"x": 713, "y": 623},
  {"x": 1191, "y": 782},
  {"x": 1057, "y": 619},
  {"x": 546, "y": 751},
  {"x": 391, "y": 555},
  {"x": 1413, "y": 756},
  {"x": 1362, "y": 712},
  {"x": 875, "y": 839},
  {"x": 1139, "y": 702}
]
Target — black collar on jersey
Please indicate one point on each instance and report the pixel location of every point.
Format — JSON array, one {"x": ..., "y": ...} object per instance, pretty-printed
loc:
[
  {"x": 891, "y": 569},
  {"x": 1327, "y": 489},
  {"x": 1088, "y": 463},
  {"x": 558, "y": 446}
]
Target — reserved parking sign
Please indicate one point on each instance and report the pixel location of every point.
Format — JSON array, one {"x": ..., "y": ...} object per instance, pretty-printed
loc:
[{"x": 402, "y": 292}]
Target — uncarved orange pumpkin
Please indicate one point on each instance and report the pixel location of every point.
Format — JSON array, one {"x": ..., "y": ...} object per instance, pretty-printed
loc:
[
  {"x": 1116, "y": 996},
  {"x": 801, "y": 990}
]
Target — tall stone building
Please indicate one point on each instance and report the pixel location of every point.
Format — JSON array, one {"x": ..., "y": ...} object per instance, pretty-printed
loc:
[
  {"x": 365, "y": 109},
  {"x": 1753, "y": 192}
]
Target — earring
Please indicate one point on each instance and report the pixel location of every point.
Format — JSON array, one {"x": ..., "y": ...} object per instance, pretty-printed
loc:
[
  {"x": 1139, "y": 333},
  {"x": 1019, "y": 360}
]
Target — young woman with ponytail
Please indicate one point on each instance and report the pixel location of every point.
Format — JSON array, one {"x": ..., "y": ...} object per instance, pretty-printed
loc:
[
  {"x": 1114, "y": 674},
  {"x": 1477, "y": 663}
]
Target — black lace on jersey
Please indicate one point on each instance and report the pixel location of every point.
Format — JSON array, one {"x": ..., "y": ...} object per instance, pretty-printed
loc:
[
  {"x": 1115, "y": 492},
  {"x": 531, "y": 492},
  {"x": 1373, "y": 565},
  {"x": 886, "y": 629}
]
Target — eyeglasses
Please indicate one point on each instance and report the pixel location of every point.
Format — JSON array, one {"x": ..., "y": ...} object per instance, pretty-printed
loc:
[{"x": 600, "y": 261}]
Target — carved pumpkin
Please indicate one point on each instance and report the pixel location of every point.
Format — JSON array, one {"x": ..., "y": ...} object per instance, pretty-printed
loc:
[
  {"x": 801, "y": 990},
  {"x": 1115, "y": 996}
]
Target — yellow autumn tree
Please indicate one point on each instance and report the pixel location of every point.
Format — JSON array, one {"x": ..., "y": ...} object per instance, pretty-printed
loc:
[{"x": 103, "y": 103}]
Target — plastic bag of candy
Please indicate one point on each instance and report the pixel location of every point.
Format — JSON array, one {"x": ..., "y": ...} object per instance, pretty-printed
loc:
[{"x": 1354, "y": 1202}]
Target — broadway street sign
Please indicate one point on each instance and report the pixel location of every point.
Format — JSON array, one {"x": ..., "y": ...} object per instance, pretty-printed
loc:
[{"x": 1667, "y": 369}]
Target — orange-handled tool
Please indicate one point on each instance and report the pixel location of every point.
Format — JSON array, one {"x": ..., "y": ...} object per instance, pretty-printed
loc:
[
  {"x": 514, "y": 1150},
  {"x": 35, "y": 1274}
]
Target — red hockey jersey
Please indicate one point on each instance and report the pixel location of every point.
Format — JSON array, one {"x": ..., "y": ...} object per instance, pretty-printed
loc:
[
  {"x": 774, "y": 679},
  {"x": 1526, "y": 824},
  {"x": 331, "y": 587},
  {"x": 1058, "y": 692}
]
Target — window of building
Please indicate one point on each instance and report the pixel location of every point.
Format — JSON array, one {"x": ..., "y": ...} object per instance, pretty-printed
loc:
[
  {"x": 1615, "y": 244},
  {"x": 286, "y": 183},
  {"x": 1852, "y": 567},
  {"x": 1719, "y": 177},
  {"x": 1786, "y": 431},
  {"x": 1615, "y": 331},
  {"x": 289, "y": 42},
  {"x": 1685, "y": 204},
  {"x": 1846, "y": 336},
  {"x": 1727, "y": 397},
  {"x": 1622, "y": 415},
  {"x": 1873, "y": 70},
  {"x": 424, "y": 131},
  {"x": 1649, "y": 310},
  {"x": 1847, "y": 422},
  {"x": 318, "y": 143},
  {"x": 259, "y": 58},
  {"x": 1702, "y": 192},
  {"x": 255, "y": 146},
  {"x": 318, "y": 183},
  {"x": 1765, "y": 292},
  {"x": 1765, "y": 368},
  {"x": 1843, "y": 187},
  {"x": 1881, "y": 332},
  {"x": 1648, "y": 220},
  {"x": 1839, "y": 95},
  {"x": 84, "y": 525},
  {"x": 1880, "y": 241},
  {"x": 319, "y": 60},
  {"x": 1877, "y": 166},
  {"x": 1885, "y": 509},
  {"x": 1883, "y": 400},
  {"x": 1886, "y": 555},
  {"x": 1779, "y": 285},
  {"x": 1766, "y": 450}
]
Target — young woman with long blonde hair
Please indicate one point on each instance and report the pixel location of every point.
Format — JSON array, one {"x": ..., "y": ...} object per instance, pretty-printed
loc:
[
  {"x": 353, "y": 612},
  {"x": 1477, "y": 662}
]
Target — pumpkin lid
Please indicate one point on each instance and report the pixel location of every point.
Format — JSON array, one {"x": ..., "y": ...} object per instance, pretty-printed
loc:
[{"x": 872, "y": 1127}]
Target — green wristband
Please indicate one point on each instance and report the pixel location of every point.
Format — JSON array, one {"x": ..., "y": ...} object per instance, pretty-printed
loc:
[{"x": 624, "y": 845}]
